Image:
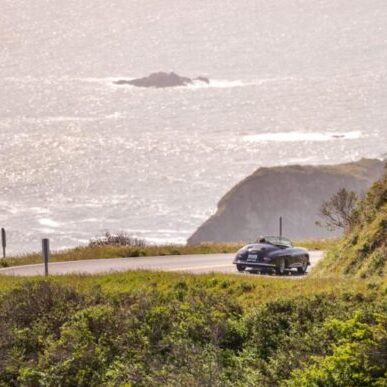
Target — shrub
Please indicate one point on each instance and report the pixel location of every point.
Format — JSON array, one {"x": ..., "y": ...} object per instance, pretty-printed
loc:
[
  {"x": 119, "y": 239},
  {"x": 193, "y": 331}
]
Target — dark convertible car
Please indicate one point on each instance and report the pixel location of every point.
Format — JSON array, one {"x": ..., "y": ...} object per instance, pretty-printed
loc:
[{"x": 272, "y": 253}]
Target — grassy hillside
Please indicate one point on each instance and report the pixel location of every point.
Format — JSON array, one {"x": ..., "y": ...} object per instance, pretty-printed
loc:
[
  {"x": 143, "y": 329},
  {"x": 363, "y": 250}
]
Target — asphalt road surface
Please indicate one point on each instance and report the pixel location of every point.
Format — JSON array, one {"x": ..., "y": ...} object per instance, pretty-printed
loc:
[{"x": 197, "y": 264}]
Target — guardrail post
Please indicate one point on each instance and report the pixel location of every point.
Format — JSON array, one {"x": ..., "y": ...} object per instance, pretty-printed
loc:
[
  {"x": 45, "y": 254},
  {"x": 280, "y": 225},
  {"x": 3, "y": 241}
]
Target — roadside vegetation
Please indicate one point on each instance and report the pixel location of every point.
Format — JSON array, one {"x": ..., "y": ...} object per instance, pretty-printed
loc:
[
  {"x": 317, "y": 244},
  {"x": 146, "y": 328},
  {"x": 104, "y": 251},
  {"x": 122, "y": 245},
  {"x": 362, "y": 252}
]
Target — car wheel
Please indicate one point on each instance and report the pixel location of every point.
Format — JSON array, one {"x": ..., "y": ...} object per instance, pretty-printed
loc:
[
  {"x": 280, "y": 269},
  {"x": 240, "y": 268},
  {"x": 303, "y": 268}
]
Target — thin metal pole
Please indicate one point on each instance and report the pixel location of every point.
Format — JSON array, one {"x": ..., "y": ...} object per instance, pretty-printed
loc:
[
  {"x": 45, "y": 254},
  {"x": 280, "y": 226},
  {"x": 3, "y": 240}
]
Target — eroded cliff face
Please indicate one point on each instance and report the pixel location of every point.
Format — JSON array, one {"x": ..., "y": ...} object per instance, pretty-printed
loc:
[{"x": 296, "y": 193}]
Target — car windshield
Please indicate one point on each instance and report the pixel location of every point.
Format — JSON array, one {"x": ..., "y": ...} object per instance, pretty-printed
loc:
[{"x": 277, "y": 241}]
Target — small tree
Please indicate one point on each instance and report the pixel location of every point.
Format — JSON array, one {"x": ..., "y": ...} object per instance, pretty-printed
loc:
[
  {"x": 338, "y": 211},
  {"x": 119, "y": 239}
]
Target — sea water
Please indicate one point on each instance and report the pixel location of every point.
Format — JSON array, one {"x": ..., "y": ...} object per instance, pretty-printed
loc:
[{"x": 292, "y": 82}]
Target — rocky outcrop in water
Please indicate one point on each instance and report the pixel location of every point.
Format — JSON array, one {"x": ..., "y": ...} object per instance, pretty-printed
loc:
[
  {"x": 162, "y": 80},
  {"x": 295, "y": 192}
]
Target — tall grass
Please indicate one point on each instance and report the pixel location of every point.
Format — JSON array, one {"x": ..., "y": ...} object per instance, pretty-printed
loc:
[
  {"x": 250, "y": 290},
  {"x": 105, "y": 251},
  {"x": 122, "y": 245}
]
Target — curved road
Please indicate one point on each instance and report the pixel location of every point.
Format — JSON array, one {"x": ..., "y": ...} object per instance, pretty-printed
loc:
[{"x": 197, "y": 264}]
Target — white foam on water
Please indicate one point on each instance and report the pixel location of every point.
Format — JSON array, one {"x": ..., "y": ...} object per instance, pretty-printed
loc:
[
  {"x": 297, "y": 136},
  {"x": 218, "y": 84},
  {"x": 111, "y": 81},
  {"x": 49, "y": 222},
  {"x": 39, "y": 210},
  {"x": 163, "y": 241},
  {"x": 45, "y": 230}
]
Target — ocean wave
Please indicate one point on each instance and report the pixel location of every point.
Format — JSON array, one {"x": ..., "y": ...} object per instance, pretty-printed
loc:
[
  {"x": 218, "y": 84},
  {"x": 296, "y": 136},
  {"x": 163, "y": 241},
  {"x": 49, "y": 223}
]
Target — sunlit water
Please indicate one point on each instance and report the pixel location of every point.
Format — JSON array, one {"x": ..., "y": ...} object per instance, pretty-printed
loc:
[{"x": 292, "y": 82}]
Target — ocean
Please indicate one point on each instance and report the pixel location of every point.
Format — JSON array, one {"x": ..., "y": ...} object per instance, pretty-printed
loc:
[{"x": 292, "y": 82}]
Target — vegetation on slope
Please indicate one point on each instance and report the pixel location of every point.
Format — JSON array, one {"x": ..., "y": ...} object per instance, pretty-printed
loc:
[
  {"x": 363, "y": 250},
  {"x": 106, "y": 251},
  {"x": 144, "y": 328},
  {"x": 95, "y": 251}
]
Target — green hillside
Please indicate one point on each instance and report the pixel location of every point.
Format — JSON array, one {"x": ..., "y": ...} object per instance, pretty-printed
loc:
[
  {"x": 363, "y": 250},
  {"x": 175, "y": 329}
]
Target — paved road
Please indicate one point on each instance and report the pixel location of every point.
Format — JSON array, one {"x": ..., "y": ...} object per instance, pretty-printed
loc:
[{"x": 220, "y": 263}]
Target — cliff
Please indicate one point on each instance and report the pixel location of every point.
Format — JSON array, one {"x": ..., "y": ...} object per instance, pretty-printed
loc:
[{"x": 254, "y": 206}]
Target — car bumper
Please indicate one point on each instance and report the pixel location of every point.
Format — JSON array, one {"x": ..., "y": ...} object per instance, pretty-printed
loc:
[{"x": 255, "y": 264}]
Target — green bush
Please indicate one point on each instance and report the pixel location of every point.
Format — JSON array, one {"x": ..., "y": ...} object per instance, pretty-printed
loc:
[
  {"x": 190, "y": 333},
  {"x": 358, "y": 358}
]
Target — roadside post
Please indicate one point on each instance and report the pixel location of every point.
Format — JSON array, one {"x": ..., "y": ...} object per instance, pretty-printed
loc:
[
  {"x": 280, "y": 227},
  {"x": 3, "y": 241},
  {"x": 46, "y": 254}
]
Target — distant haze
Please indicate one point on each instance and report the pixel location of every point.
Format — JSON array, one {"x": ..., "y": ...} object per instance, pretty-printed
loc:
[{"x": 292, "y": 82}]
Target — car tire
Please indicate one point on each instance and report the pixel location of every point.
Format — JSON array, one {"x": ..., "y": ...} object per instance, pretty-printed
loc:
[
  {"x": 240, "y": 268},
  {"x": 303, "y": 268},
  {"x": 281, "y": 265}
]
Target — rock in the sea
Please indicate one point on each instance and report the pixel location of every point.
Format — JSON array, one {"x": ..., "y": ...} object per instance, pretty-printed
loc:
[
  {"x": 162, "y": 80},
  {"x": 296, "y": 193}
]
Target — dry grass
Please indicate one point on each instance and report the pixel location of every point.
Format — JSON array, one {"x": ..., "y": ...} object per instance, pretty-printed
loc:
[
  {"x": 249, "y": 290},
  {"x": 105, "y": 252},
  {"x": 317, "y": 244}
]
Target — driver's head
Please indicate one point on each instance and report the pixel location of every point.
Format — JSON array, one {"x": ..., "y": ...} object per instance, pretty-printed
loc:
[{"x": 261, "y": 239}]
